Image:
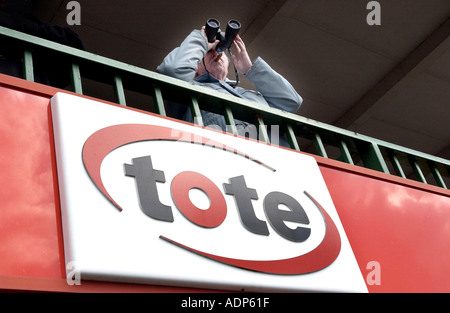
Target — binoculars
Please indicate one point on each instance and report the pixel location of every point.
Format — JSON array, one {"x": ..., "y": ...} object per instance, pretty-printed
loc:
[{"x": 213, "y": 33}]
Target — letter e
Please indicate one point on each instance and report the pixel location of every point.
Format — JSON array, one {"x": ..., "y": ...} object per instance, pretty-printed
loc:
[{"x": 295, "y": 214}]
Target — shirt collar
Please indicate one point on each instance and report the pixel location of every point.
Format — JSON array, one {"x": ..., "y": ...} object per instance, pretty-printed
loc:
[{"x": 206, "y": 78}]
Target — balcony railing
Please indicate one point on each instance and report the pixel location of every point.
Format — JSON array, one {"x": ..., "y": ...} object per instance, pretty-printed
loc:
[{"x": 303, "y": 134}]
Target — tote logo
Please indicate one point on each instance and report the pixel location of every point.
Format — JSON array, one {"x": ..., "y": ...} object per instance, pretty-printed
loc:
[{"x": 149, "y": 175}]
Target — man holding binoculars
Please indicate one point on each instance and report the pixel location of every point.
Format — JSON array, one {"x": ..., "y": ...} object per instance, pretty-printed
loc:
[{"x": 200, "y": 59}]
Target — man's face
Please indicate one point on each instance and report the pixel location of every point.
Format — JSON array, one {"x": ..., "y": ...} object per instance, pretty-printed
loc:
[{"x": 217, "y": 67}]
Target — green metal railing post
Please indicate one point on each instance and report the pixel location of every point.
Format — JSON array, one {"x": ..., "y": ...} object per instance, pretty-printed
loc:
[
  {"x": 437, "y": 175},
  {"x": 159, "y": 101},
  {"x": 292, "y": 139},
  {"x": 229, "y": 119},
  {"x": 318, "y": 144},
  {"x": 118, "y": 90},
  {"x": 195, "y": 110},
  {"x": 345, "y": 152},
  {"x": 263, "y": 135},
  {"x": 373, "y": 158},
  {"x": 76, "y": 79},
  {"x": 28, "y": 69},
  {"x": 396, "y": 164},
  {"x": 417, "y": 170}
]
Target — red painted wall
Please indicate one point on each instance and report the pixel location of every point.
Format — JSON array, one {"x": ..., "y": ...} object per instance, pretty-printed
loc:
[
  {"x": 406, "y": 230},
  {"x": 30, "y": 243},
  {"x": 402, "y": 225}
]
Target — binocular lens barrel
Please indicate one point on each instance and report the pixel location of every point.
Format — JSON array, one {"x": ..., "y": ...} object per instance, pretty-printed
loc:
[
  {"x": 213, "y": 23},
  {"x": 233, "y": 24},
  {"x": 232, "y": 30},
  {"x": 211, "y": 29}
]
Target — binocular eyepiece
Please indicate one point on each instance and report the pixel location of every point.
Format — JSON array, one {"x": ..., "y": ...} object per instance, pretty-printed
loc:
[{"x": 213, "y": 33}]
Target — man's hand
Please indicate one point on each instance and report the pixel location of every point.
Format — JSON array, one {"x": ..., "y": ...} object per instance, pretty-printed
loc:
[
  {"x": 211, "y": 45},
  {"x": 240, "y": 56}
]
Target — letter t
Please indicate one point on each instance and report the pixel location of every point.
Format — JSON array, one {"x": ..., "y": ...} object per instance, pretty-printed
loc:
[
  {"x": 244, "y": 196},
  {"x": 146, "y": 179}
]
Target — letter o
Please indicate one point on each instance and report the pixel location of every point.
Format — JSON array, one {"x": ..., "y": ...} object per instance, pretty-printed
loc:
[{"x": 217, "y": 211}]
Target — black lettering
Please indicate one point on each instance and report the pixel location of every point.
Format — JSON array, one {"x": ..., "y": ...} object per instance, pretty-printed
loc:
[
  {"x": 295, "y": 214},
  {"x": 146, "y": 178},
  {"x": 243, "y": 197}
]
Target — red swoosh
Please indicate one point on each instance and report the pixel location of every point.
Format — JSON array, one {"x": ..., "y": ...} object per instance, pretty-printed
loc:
[
  {"x": 319, "y": 258},
  {"x": 102, "y": 142}
]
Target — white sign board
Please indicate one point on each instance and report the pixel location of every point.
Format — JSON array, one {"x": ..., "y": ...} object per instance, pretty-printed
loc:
[{"x": 149, "y": 200}]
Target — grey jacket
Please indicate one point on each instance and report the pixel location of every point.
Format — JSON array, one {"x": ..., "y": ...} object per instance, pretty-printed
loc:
[{"x": 272, "y": 89}]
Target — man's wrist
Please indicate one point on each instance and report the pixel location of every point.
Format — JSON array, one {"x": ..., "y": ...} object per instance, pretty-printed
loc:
[{"x": 253, "y": 67}]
